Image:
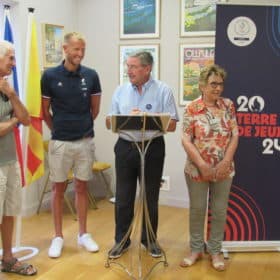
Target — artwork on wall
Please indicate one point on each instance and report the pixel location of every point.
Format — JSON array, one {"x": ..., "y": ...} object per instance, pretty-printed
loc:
[
  {"x": 192, "y": 59},
  {"x": 129, "y": 49},
  {"x": 139, "y": 19},
  {"x": 52, "y": 39},
  {"x": 198, "y": 18}
]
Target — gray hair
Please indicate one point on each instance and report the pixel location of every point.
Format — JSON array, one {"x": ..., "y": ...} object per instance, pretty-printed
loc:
[
  {"x": 145, "y": 58},
  {"x": 5, "y": 46},
  {"x": 209, "y": 70}
]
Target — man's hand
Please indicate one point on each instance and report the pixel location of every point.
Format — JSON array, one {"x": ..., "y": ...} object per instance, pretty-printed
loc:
[
  {"x": 135, "y": 111},
  {"x": 5, "y": 88}
]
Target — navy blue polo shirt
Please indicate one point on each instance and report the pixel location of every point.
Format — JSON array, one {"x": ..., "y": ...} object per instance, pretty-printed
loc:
[{"x": 70, "y": 99}]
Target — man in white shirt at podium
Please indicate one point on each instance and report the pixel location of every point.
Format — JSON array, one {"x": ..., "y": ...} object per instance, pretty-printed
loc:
[{"x": 141, "y": 94}]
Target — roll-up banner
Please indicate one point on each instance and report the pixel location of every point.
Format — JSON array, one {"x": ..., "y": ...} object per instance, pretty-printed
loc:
[{"x": 248, "y": 47}]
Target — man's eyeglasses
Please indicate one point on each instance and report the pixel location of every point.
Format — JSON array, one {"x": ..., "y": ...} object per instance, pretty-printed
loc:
[{"x": 215, "y": 85}]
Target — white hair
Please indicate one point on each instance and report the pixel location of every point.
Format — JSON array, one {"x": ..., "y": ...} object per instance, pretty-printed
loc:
[{"x": 5, "y": 46}]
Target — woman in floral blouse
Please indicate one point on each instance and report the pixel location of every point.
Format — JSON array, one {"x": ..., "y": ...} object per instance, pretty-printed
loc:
[{"x": 210, "y": 139}]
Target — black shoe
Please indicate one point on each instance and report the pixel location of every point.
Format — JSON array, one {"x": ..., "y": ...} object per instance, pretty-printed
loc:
[
  {"x": 154, "y": 250},
  {"x": 117, "y": 251}
]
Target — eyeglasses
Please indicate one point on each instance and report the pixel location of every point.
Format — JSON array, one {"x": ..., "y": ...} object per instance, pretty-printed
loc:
[{"x": 215, "y": 84}]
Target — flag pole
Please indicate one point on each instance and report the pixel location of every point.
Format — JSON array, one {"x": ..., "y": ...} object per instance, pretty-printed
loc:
[
  {"x": 34, "y": 251},
  {"x": 34, "y": 145}
]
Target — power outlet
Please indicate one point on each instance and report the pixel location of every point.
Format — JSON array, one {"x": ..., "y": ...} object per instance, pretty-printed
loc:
[{"x": 165, "y": 183}]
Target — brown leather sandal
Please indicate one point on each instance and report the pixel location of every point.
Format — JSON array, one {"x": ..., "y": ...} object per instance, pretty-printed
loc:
[{"x": 14, "y": 266}]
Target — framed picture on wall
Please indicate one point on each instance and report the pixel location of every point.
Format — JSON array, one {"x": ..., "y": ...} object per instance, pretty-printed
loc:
[
  {"x": 198, "y": 18},
  {"x": 52, "y": 39},
  {"x": 129, "y": 49},
  {"x": 139, "y": 19},
  {"x": 192, "y": 59}
]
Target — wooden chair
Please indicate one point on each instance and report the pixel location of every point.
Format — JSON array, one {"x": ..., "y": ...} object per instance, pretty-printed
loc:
[
  {"x": 98, "y": 168},
  {"x": 46, "y": 189}
]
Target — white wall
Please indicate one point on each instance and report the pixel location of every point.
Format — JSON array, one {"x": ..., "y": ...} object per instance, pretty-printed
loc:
[
  {"x": 62, "y": 12},
  {"x": 103, "y": 38},
  {"x": 55, "y": 12},
  {"x": 99, "y": 21}
]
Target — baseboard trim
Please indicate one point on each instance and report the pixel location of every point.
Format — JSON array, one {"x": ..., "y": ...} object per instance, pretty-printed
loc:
[{"x": 250, "y": 246}]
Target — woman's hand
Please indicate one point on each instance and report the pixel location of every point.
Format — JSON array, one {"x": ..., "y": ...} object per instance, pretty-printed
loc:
[
  {"x": 207, "y": 171},
  {"x": 222, "y": 169}
]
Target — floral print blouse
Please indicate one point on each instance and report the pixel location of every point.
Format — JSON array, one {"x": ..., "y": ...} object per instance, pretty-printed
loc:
[{"x": 211, "y": 130}]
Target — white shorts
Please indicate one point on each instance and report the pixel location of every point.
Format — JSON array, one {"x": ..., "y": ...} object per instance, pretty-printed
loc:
[
  {"x": 77, "y": 156},
  {"x": 10, "y": 190}
]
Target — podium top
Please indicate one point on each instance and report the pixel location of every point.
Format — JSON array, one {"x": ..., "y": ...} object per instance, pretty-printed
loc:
[{"x": 140, "y": 122}]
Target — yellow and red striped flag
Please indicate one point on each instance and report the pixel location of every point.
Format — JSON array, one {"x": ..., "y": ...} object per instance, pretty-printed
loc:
[{"x": 35, "y": 149}]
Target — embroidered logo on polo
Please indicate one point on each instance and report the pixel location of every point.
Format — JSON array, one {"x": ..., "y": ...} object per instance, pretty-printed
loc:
[
  {"x": 83, "y": 82},
  {"x": 59, "y": 84},
  {"x": 84, "y": 85},
  {"x": 149, "y": 106}
]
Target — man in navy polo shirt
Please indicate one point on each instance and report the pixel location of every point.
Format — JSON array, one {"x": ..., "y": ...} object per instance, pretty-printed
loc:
[{"x": 71, "y": 100}]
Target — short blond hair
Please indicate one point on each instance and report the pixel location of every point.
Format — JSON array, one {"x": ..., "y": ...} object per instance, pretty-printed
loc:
[
  {"x": 209, "y": 70},
  {"x": 76, "y": 35}
]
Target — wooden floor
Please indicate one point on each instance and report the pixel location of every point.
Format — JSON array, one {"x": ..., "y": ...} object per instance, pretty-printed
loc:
[{"x": 77, "y": 264}]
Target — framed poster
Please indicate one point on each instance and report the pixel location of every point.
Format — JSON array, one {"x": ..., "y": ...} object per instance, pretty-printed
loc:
[
  {"x": 52, "y": 39},
  {"x": 129, "y": 49},
  {"x": 192, "y": 59},
  {"x": 198, "y": 18},
  {"x": 139, "y": 19}
]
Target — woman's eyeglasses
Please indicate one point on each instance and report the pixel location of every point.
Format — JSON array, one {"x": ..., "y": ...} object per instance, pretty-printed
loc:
[{"x": 214, "y": 85}]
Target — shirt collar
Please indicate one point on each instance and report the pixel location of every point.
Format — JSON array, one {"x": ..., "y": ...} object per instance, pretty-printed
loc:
[
  {"x": 219, "y": 102},
  {"x": 199, "y": 106},
  {"x": 146, "y": 85},
  {"x": 68, "y": 73}
]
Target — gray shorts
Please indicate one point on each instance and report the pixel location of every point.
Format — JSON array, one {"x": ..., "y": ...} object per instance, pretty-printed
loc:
[
  {"x": 10, "y": 190},
  {"x": 77, "y": 156}
]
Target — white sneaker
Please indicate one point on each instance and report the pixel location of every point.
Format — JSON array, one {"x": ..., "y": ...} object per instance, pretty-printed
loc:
[
  {"x": 56, "y": 247},
  {"x": 86, "y": 241},
  {"x": 112, "y": 199}
]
